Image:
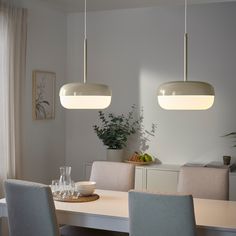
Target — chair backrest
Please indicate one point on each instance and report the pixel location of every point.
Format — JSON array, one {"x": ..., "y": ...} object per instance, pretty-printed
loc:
[
  {"x": 161, "y": 215},
  {"x": 204, "y": 182},
  {"x": 113, "y": 175},
  {"x": 31, "y": 210}
]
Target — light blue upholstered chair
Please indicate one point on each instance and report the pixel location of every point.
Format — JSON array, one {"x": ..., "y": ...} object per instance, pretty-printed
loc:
[
  {"x": 152, "y": 214},
  {"x": 31, "y": 210}
]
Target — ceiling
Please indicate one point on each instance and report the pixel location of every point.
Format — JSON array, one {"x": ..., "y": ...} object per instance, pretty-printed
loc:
[{"x": 99, "y": 5}]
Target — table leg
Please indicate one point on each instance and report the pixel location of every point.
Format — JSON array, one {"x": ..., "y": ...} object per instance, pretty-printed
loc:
[{"x": 1, "y": 234}]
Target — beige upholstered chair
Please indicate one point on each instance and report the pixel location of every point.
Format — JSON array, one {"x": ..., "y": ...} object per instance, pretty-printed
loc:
[
  {"x": 108, "y": 176},
  {"x": 204, "y": 182},
  {"x": 113, "y": 175},
  {"x": 152, "y": 214}
]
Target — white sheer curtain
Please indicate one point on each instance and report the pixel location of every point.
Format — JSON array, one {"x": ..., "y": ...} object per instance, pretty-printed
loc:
[{"x": 13, "y": 27}]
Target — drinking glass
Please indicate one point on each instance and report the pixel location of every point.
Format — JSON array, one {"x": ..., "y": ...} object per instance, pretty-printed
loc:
[
  {"x": 55, "y": 186},
  {"x": 72, "y": 188}
]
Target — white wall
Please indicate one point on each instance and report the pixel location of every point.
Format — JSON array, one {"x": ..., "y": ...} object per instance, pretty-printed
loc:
[
  {"x": 43, "y": 142},
  {"x": 136, "y": 50}
]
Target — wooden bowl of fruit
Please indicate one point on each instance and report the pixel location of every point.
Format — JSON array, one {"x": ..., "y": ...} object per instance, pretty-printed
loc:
[{"x": 140, "y": 159}]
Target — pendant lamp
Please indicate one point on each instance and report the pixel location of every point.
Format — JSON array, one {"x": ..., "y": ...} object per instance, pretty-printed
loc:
[
  {"x": 186, "y": 95},
  {"x": 85, "y": 95}
]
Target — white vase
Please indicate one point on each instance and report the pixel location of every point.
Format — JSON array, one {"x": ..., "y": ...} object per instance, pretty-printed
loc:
[{"x": 116, "y": 155}]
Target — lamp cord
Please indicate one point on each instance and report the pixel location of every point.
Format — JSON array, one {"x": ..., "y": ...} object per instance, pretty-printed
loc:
[
  {"x": 185, "y": 45},
  {"x": 85, "y": 41},
  {"x": 185, "y": 17}
]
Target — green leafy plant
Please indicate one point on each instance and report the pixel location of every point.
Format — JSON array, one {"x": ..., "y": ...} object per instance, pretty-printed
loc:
[
  {"x": 231, "y": 135},
  {"x": 115, "y": 129}
]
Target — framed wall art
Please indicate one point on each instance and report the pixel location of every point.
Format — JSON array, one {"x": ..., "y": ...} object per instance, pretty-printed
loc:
[{"x": 43, "y": 95}]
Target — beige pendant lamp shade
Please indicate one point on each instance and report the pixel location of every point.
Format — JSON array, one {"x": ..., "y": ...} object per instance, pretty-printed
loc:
[
  {"x": 85, "y": 95},
  {"x": 186, "y": 95}
]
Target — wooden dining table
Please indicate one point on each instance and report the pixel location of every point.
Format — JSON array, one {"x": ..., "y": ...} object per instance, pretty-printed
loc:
[{"x": 110, "y": 212}]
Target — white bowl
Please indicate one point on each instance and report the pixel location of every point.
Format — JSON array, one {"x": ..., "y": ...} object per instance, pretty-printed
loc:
[{"x": 86, "y": 188}]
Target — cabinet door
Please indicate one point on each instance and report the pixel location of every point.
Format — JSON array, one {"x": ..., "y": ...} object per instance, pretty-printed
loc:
[
  {"x": 140, "y": 178},
  {"x": 164, "y": 181}
]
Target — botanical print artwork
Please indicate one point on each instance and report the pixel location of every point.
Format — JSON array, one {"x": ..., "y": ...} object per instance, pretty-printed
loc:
[{"x": 43, "y": 95}]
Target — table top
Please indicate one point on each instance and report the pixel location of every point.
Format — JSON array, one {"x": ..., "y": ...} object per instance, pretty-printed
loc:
[
  {"x": 213, "y": 214},
  {"x": 110, "y": 203}
]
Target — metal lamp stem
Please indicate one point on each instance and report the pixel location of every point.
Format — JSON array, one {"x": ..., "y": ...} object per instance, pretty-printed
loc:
[
  {"x": 85, "y": 42},
  {"x": 185, "y": 46},
  {"x": 85, "y": 61},
  {"x": 185, "y": 57}
]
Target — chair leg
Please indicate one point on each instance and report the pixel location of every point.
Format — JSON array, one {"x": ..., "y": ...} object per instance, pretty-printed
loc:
[
  {"x": 4, "y": 226},
  {"x": 0, "y": 226}
]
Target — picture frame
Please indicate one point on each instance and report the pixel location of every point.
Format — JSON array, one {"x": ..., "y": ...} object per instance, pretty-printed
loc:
[{"x": 43, "y": 95}]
